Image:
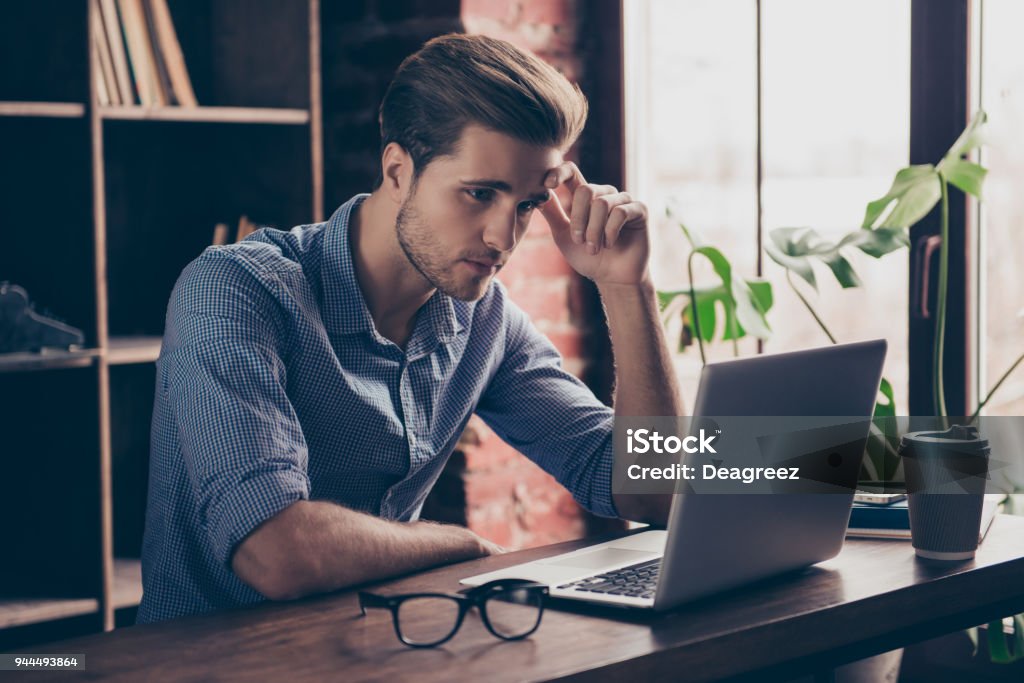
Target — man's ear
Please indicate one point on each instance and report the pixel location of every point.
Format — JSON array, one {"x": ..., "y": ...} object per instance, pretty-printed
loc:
[{"x": 396, "y": 170}]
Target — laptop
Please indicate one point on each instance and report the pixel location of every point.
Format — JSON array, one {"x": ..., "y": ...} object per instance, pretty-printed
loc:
[{"x": 716, "y": 542}]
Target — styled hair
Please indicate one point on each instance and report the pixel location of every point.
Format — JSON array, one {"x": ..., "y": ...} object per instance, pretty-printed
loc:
[{"x": 456, "y": 80}]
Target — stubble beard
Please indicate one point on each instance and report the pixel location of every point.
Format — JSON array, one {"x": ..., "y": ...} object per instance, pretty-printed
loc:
[{"x": 429, "y": 259}]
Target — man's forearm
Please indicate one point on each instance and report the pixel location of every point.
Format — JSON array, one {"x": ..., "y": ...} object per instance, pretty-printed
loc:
[
  {"x": 645, "y": 380},
  {"x": 318, "y": 546}
]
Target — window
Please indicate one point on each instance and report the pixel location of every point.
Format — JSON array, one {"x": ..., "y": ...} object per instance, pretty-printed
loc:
[
  {"x": 835, "y": 129},
  {"x": 691, "y": 121},
  {"x": 1001, "y": 225}
]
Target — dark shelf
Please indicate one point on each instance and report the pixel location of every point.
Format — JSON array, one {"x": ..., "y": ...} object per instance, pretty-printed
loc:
[
  {"x": 207, "y": 114},
  {"x": 169, "y": 184},
  {"x": 44, "y": 50},
  {"x": 130, "y": 350},
  {"x": 48, "y": 248},
  {"x": 47, "y": 360},
  {"x": 24, "y": 611},
  {"x": 61, "y": 110},
  {"x": 132, "y": 387}
]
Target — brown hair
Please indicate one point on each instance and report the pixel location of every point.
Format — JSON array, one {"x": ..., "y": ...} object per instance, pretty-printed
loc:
[{"x": 457, "y": 79}]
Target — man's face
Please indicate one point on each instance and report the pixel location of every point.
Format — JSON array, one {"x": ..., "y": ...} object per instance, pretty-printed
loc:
[{"x": 467, "y": 212}]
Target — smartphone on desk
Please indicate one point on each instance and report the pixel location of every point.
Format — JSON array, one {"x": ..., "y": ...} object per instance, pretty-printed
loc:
[{"x": 879, "y": 492}]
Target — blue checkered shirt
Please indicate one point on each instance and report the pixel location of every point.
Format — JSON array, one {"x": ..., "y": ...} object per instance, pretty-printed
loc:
[{"x": 274, "y": 386}]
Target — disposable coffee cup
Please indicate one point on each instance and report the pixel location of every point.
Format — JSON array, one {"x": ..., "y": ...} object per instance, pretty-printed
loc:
[{"x": 946, "y": 473}]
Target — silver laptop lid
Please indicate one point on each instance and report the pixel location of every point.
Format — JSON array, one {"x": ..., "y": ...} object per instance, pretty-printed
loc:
[{"x": 719, "y": 541}]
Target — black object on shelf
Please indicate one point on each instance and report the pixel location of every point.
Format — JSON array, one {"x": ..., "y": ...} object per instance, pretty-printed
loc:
[{"x": 22, "y": 328}]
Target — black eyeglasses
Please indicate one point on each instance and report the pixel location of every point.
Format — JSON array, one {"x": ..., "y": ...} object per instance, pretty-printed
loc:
[{"x": 511, "y": 610}]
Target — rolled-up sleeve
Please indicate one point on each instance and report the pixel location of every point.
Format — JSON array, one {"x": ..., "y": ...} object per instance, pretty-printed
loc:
[
  {"x": 241, "y": 441},
  {"x": 550, "y": 416}
]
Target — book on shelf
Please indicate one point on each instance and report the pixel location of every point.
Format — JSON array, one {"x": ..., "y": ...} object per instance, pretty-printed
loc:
[
  {"x": 220, "y": 234},
  {"x": 893, "y": 520},
  {"x": 169, "y": 48},
  {"x": 163, "y": 79},
  {"x": 245, "y": 228},
  {"x": 102, "y": 96},
  {"x": 139, "y": 57},
  {"x": 111, "y": 26},
  {"x": 140, "y": 54},
  {"x": 107, "y": 92}
]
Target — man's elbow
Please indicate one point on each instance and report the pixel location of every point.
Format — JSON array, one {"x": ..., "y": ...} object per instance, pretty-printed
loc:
[
  {"x": 274, "y": 572},
  {"x": 644, "y": 507}
]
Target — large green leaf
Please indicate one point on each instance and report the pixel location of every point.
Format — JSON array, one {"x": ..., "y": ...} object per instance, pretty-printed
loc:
[
  {"x": 972, "y": 137},
  {"x": 884, "y": 440},
  {"x": 743, "y": 304},
  {"x": 789, "y": 248},
  {"x": 877, "y": 242},
  {"x": 708, "y": 300},
  {"x": 963, "y": 173},
  {"x": 1018, "y": 636},
  {"x": 998, "y": 650},
  {"x": 750, "y": 309},
  {"x": 915, "y": 191},
  {"x": 794, "y": 248},
  {"x": 799, "y": 265},
  {"x": 967, "y": 175},
  {"x": 885, "y": 408},
  {"x": 841, "y": 268},
  {"x": 719, "y": 303}
]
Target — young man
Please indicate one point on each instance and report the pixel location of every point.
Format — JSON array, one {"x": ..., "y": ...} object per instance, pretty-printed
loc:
[{"x": 313, "y": 383}]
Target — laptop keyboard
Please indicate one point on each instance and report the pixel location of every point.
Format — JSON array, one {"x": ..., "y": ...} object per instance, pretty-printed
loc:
[{"x": 634, "y": 581}]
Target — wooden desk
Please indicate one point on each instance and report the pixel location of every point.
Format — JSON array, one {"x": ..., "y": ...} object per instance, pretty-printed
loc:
[{"x": 875, "y": 596}]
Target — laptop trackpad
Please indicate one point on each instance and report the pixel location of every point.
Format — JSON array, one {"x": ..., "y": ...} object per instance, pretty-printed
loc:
[{"x": 605, "y": 557}]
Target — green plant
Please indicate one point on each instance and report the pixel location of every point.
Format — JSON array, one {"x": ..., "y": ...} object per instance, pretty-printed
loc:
[
  {"x": 915, "y": 192},
  {"x": 742, "y": 303}
]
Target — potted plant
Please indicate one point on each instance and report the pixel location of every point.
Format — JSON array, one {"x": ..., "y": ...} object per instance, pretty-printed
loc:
[{"x": 744, "y": 303}]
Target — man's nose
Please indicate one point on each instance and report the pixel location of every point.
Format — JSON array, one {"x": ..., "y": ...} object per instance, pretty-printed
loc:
[{"x": 500, "y": 233}]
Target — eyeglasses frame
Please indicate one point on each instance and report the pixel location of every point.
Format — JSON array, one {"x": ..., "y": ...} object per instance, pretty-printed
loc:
[{"x": 467, "y": 599}]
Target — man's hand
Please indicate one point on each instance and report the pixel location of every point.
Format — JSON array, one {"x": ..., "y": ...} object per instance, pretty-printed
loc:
[{"x": 602, "y": 232}]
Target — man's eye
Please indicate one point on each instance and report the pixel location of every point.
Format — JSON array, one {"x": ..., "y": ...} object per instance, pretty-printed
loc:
[
  {"x": 481, "y": 194},
  {"x": 531, "y": 204}
]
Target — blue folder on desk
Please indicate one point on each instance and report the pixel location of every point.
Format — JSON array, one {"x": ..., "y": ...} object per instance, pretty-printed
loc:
[{"x": 893, "y": 521}]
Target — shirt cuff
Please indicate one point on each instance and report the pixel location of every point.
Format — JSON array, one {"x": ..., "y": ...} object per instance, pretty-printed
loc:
[
  {"x": 601, "y": 502},
  {"x": 246, "y": 505}
]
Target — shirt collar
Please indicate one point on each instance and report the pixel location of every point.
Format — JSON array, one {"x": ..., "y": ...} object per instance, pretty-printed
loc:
[{"x": 345, "y": 310}]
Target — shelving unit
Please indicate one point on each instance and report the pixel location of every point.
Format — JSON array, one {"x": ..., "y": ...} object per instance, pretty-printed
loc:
[
  {"x": 102, "y": 208},
  {"x": 63, "y": 110},
  {"x": 14, "y": 613},
  {"x": 207, "y": 114},
  {"x": 128, "y": 350}
]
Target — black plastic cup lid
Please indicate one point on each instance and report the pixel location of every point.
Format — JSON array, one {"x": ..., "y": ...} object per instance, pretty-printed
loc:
[{"x": 962, "y": 438}]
